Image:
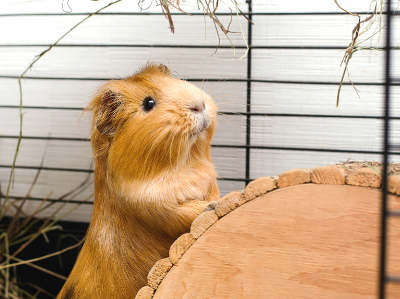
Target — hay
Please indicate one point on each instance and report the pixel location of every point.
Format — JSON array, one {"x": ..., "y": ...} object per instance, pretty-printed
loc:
[{"x": 364, "y": 27}]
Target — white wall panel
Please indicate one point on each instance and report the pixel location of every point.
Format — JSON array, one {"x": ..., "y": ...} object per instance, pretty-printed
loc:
[
  {"x": 317, "y": 65},
  {"x": 395, "y": 37},
  {"x": 61, "y": 6},
  {"x": 56, "y": 153},
  {"x": 121, "y": 29},
  {"x": 317, "y": 31},
  {"x": 229, "y": 96},
  {"x": 106, "y": 62},
  {"x": 327, "y": 133},
  {"x": 321, "y": 99},
  {"x": 328, "y": 30},
  {"x": 396, "y": 66},
  {"x": 54, "y": 93},
  {"x": 229, "y": 162},
  {"x": 273, "y": 30},
  {"x": 56, "y": 123},
  {"x": 226, "y": 187},
  {"x": 301, "y": 30},
  {"x": 79, "y": 6},
  {"x": 311, "y": 5},
  {"x": 231, "y": 129}
]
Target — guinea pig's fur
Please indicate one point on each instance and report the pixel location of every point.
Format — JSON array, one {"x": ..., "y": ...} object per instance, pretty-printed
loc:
[{"x": 153, "y": 176}]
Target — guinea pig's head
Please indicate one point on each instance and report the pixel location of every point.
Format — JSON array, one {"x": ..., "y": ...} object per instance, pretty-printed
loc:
[{"x": 149, "y": 123}]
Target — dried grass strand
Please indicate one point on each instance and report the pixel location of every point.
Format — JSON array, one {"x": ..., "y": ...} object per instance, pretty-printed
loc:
[
  {"x": 43, "y": 257},
  {"x": 354, "y": 44}
]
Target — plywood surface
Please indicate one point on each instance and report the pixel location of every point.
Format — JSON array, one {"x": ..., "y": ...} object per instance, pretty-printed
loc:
[{"x": 305, "y": 241}]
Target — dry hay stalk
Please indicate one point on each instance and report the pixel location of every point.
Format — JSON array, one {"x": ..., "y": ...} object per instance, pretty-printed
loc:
[
  {"x": 209, "y": 8},
  {"x": 355, "y": 44}
]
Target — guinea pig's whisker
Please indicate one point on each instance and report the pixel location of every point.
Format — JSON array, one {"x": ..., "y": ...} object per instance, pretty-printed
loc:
[
  {"x": 171, "y": 144},
  {"x": 196, "y": 146},
  {"x": 149, "y": 152},
  {"x": 179, "y": 147},
  {"x": 185, "y": 148}
]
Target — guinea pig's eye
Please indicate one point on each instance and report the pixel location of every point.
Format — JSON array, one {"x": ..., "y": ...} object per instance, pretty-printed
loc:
[{"x": 148, "y": 103}]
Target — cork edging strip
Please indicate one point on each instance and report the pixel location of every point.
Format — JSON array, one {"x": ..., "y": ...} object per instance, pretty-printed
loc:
[{"x": 363, "y": 174}]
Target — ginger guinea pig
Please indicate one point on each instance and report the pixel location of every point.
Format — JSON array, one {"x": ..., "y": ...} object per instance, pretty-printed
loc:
[{"x": 151, "y": 138}]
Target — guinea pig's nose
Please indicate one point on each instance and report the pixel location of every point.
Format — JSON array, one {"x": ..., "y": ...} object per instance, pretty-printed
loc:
[{"x": 198, "y": 107}]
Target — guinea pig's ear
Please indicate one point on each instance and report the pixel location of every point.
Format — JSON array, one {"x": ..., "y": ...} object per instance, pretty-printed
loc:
[
  {"x": 110, "y": 103},
  {"x": 164, "y": 69}
]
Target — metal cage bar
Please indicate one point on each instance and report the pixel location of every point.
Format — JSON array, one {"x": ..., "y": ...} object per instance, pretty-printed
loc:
[
  {"x": 384, "y": 278},
  {"x": 248, "y": 92}
]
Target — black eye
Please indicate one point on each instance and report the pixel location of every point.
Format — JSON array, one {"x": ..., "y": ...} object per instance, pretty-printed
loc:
[{"x": 148, "y": 103}]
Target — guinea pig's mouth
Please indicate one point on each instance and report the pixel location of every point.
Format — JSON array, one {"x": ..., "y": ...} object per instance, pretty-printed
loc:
[{"x": 202, "y": 123}]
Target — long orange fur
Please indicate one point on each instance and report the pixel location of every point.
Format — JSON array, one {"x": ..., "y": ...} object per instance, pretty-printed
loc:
[{"x": 153, "y": 176}]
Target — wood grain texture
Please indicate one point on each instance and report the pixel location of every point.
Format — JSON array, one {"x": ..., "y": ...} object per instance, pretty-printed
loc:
[
  {"x": 394, "y": 184},
  {"x": 258, "y": 187},
  {"x": 293, "y": 177},
  {"x": 158, "y": 272},
  {"x": 305, "y": 241},
  {"x": 365, "y": 177},
  {"x": 145, "y": 293},
  {"x": 227, "y": 203},
  {"x": 179, "y": 247},
  {"x": 333, "y": 175},
  {"x": 202, "y": 223}
]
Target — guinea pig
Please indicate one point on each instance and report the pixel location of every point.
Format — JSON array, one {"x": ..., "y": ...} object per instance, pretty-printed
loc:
[{"x": 151, "y": 136}]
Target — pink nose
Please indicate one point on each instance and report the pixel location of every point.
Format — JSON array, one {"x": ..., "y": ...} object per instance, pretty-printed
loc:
[{"x": 197, "y": 108}]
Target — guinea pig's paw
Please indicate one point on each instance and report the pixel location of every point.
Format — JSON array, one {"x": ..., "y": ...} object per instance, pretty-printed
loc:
[
  {"x": 211, "y": 206},
  {"x": 181, "y": 199}
]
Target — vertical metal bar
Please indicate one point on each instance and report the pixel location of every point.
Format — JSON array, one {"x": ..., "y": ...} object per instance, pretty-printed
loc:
[
  {"x": 386, "y": 145},
  {"x": 248, "y": 90}
]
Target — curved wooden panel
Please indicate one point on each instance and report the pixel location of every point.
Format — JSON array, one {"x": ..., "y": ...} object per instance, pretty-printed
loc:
[{"x": 304, "y": 241}]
